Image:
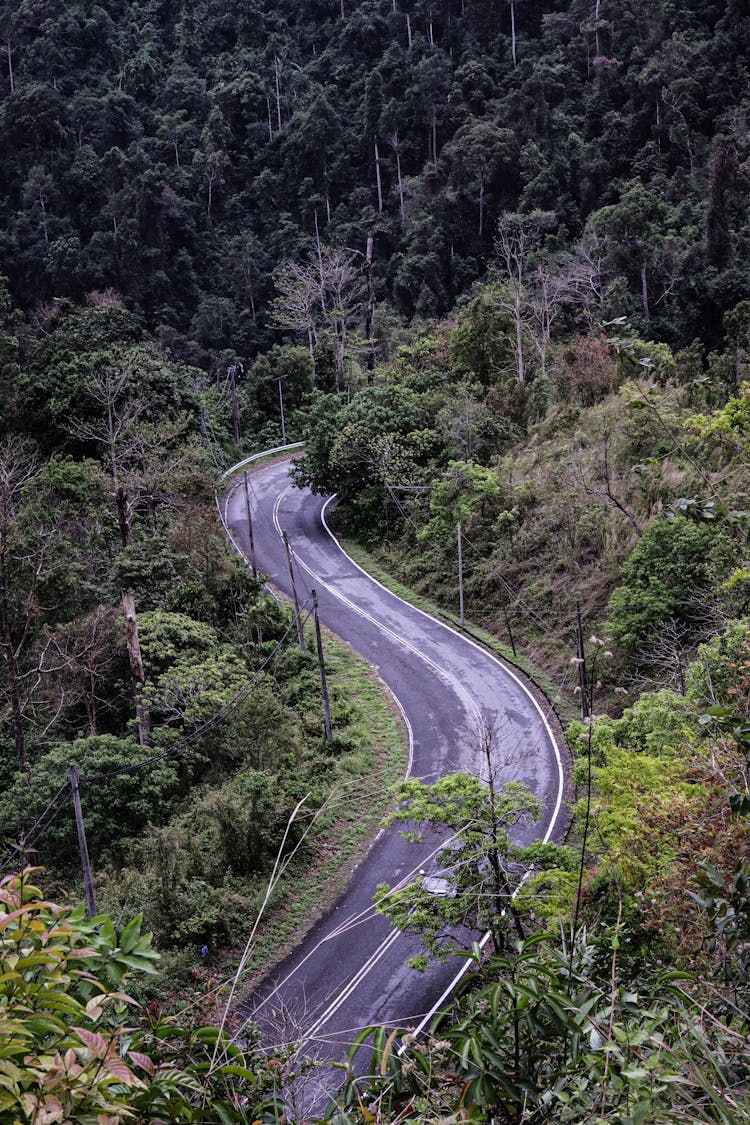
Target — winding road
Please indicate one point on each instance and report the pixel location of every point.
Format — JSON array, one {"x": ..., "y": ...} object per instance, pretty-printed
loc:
[{"x": 350, "y": 970}]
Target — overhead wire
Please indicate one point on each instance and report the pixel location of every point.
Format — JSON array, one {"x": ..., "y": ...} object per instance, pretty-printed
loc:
[
  {"x": 236, "y": 701},
  {"x": 495, "y": 573},
  {"x": 64, "y": 794},
  {"x": 30, "y": 837},
  {"x": 516, "y": 597}
]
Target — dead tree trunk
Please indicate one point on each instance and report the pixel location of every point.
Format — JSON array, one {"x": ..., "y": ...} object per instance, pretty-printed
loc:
[
  {"x": 11, "y": 80},
  {"x": 377, "y": 178},
  {"x": 370, "y": 312},
  {"x": 393, "y": 140},
  {"x": 135, "y": 659},
  {"x": 136, "y": 668},
  {"x": 644, "y": 291},
  {"x": 513, "y": 32},
  {"x": 481, "y": 204},
  {"x": 11, "y": 665}
]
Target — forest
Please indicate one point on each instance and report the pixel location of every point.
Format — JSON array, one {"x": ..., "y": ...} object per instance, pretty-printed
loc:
[{"x": 489, "y": 259}]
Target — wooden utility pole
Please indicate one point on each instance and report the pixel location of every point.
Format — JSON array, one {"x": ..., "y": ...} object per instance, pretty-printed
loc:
[
  {"x": 370, "y": 312},
  {"x": 510, "y": 633},
  {"x": 460, "y": 576},
  {"x": 295, "y": 599},
  {"x": 321, "y": 664},
  {"x": 580, "y": 655},
  {"x": 281, "y": 408},
  {"x": 249, "y": 523},
  {"x": 88, "y": 882}
]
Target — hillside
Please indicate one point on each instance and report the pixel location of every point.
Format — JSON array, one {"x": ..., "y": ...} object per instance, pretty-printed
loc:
[
  {"x": 490, "y": 260},
  {"x": 183, "y": 155}
]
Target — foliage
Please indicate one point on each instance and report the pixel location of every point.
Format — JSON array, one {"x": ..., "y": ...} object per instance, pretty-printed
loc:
[
  {"x": 365, "y": 449},
  {"x": 226, "y": 146},
  {"x": 472, "y": 872},
  {"x": 537, "y": 1036},
  {"x": 481, "y": 343},
  {"x": 466, "y": 493},
  {"x": 118, "y": 807},
  {"x": 75, "y": 1047},
  {"x": 672, "y": 568}
]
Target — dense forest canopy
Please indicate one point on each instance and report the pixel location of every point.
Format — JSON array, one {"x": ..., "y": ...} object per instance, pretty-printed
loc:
[
  {"x": 490, "y": 259},
  {"x": 183, "y": 153}
]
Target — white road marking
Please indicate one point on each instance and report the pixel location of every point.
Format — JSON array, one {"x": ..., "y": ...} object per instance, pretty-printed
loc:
[
  {"x": 504, "y": 667},
  {"x": 443, "y": 674}
]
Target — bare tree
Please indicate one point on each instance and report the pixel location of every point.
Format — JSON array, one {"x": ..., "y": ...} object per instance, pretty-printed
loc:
[
  {"x": 296, "y": 307},
  {"x": 77, "y": 658},
  {"x": 19, "y": 467},
  {"x": 587, "y": 279},
  {"x": 536, "y": 289},
  {"x": 344, "y": 282},
  {"x": 137, "y": 455},
  {"x": 325, "y": 295},
  {"x": 513, "y": 247},
  {"x": 598, "y": 477},
  {"x": 393, "y": 141},
  {"x": 549, "y": 293}
]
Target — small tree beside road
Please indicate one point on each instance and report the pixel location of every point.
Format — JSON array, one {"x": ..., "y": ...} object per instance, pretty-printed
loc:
[{"x": 477, "y": 865}]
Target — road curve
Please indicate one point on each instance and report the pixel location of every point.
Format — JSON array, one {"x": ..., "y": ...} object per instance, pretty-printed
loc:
[{"x": 350, "y": 970}]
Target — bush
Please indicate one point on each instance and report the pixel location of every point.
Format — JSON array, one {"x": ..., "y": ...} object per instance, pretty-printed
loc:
[
  {"x": 673, "y": 567},
  {"x": 116, "y": 808}
]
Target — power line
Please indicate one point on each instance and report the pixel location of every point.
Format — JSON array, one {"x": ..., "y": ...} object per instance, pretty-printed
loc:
[
  {"x": 37, "y": 830},
  {"x": 237, "y": 700},
  {"x": 494, "y": 573}
]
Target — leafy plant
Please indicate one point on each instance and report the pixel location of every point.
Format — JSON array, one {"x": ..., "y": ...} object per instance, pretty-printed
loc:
[{"x": 73, "y": 1046}]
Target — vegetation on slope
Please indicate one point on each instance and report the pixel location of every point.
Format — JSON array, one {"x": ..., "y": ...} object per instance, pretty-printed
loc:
[
  {"x": 195, "y": 722},
  {"x": 223, "y": 227}
]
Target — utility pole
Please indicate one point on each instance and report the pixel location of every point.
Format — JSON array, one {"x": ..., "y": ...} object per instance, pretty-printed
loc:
[
  {"x": 510, "y": 633},
  {"x": 460, "y": 576},
  {"x": 581, "y": 657},
  {"x": 321, "y": 663},
  {"x": 295, "y": 599},
  {"x": 281, "y": 407},
  {"x": 88, "y": 882},
  {"x": 249, "y": 524}
]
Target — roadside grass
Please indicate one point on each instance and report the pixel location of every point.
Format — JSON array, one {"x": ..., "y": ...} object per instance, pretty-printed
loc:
[{"x": 370, "y": 759}]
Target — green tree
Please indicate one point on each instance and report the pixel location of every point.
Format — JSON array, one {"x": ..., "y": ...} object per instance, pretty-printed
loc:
[
  {"x": 674, "y": 567},
  {"x": 466, "y": 493},
  {"x": 482, "y": 341},
  {"x": 471, "y": 823}
]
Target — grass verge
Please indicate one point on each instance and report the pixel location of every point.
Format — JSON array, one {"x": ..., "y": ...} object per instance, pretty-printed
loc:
[{"x": 362, "y": 782}]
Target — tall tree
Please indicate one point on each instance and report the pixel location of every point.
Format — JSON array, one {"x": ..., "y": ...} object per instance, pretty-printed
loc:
[
  {"x": 19, "y": 563},
  {"x": 138, "y": 457}
]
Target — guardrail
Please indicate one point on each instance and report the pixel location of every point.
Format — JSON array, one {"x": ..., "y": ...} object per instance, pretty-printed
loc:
[
  {"x": 258, "y": 456},
  {"x": 222, "y": 515}
]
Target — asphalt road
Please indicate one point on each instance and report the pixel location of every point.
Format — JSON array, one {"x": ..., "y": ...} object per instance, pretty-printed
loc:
[{"x": 350, "y": 971}]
